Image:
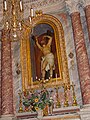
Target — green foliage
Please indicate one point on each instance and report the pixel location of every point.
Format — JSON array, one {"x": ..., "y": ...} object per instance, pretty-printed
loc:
[{"x": 37, "y": 100}]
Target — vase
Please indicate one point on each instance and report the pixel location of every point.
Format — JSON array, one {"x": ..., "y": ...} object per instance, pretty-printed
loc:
[{"x": 40, "y": 114}]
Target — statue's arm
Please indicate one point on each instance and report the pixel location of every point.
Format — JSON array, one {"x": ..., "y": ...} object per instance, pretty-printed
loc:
[
  {"x": 37, "y": 43},
  {"x": 49, "y": 41}
]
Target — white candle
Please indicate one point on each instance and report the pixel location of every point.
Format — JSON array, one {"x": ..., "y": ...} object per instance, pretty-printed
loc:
[
  {"x": 56, "y": 78},
  {"x": 20, "y": 26},
  {"x": 32, "y": 12},
  {"x": 7, "y": 25},
  {"x": 39, "y": 79},
  {"x": 36, "y": 77},
  {"x": 21, "y": 5},
  {"x": 5, "y": 5}
]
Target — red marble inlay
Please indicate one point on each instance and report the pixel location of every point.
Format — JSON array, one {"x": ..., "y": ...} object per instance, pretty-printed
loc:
[
  {"x": 87, "y": 14},
  {"x": 6, "y": 68},
  {"x": 82, "y": 58}
]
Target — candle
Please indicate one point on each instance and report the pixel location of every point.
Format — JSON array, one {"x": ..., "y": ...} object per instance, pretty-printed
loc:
[
  {"x": 7, "y": 24},
  {"x": 21, "y": 5},
  {"x": 32, "y": 12},
  {"x": 36, "y": 77},
  {"x": 20, "y": 26},
  {"x": 39, "y": 79},
  {"x": 56, "y": 78},
  {"x": 5, "y": 5}
]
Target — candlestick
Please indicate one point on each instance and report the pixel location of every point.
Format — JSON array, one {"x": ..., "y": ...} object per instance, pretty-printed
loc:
[
  {"x": 74, "y": 96},
  {"x": 20, "y": 102},
  {"x": 65, "y": 95},
  {"x": 58, "y": 105}
]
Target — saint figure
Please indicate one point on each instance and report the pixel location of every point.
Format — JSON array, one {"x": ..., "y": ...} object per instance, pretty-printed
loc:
[{"x": 47, "y": 62}]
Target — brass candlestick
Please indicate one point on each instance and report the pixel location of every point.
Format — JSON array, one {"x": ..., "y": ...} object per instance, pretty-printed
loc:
[
  {"x": 58, "y": 105},
  {"x": 74, "y": 96},
  {"x": 20, "y": 102},
  {"x": 65, "y": 95}
]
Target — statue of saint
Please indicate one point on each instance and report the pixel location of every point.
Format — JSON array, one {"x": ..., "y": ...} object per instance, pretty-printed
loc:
[{"x": 47, "y": 62}]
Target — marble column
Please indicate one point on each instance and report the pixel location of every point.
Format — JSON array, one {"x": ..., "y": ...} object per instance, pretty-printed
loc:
[
  {"x": 6, "y": 74},
  {"x": 81, "y": 53},
  {"x": 87, "y": 14}
]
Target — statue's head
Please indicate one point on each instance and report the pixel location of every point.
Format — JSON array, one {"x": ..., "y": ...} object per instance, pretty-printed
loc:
[{"x": 44, "y": 40}]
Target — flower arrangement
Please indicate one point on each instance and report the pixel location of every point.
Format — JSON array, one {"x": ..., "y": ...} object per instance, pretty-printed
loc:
[{"x": 37, "y": 100}]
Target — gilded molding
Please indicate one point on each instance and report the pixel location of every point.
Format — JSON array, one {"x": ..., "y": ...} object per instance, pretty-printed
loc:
[
  {"x": 24, "y": 48},
  {"x": 60, "y": 49}
]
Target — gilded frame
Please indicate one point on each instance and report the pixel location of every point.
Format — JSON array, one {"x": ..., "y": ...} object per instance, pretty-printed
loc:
[{"x": 61, "y": 51}]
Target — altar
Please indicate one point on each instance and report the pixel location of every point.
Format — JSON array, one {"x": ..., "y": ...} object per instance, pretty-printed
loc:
[
  {"x": 70, "y": 113},
  {"x": 58, "y": 103}
]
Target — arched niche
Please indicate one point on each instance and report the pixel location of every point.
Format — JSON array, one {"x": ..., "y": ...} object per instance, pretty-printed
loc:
[{"x": 28, "y": 80}]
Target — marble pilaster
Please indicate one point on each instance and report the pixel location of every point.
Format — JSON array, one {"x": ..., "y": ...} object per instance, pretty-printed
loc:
[
  {"x": 81, "y": 53},
  {"x": 6, "y": 74},
  {"x": 82, "y": 58},
  {"x": 87, "y": 15}
]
